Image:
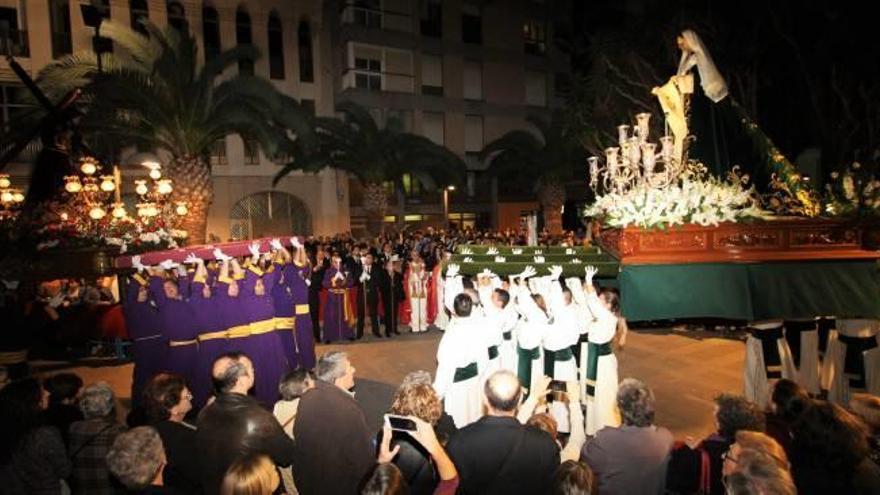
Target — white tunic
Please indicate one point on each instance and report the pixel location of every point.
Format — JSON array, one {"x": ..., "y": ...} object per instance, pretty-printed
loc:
[
  {"x": 531, "y": 330},
  {"x": 563, "y": 334},
  {"x": 601, "y": 408},
  {"x": 457, "y": 350}
]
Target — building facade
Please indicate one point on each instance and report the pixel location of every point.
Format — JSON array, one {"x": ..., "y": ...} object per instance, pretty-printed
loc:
[{"x": 459, "y": 72}]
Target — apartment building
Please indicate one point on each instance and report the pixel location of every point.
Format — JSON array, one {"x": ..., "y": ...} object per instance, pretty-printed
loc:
[
  {"x": 294, "y": 42},
  {"x": 460, "y": 72}
]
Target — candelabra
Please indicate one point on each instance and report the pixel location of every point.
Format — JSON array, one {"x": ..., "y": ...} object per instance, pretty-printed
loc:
[
  {"x": 635, "y": 161},
  {"x": 10, "y": 198}
]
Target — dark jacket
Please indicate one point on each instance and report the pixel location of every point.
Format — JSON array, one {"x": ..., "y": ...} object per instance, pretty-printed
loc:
[
  {"x": 500, "y": 455},
  {"x": 334, "y": 447},
  {"x": 685, "y": 465},
  {"x": 37, "y": 466},
  {"x": 236, "y": 425},
  {"x": 414, "y": 463},
  {"x": 182, "y": 470}
]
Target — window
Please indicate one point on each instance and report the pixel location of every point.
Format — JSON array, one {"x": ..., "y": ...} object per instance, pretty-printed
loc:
[
  {"x": 243, "y": 36},
  {"x": 433, "y": 127},
  {"x": 403, "y": 119},
  {"x": 276, "y": 47},
  {"x": 102, "y": 44},
  {"x": 471, "y": 24},
  {"x": 463, "y": 220},
  {"x": 473, "y": 133},
  {"x": 10, "y": 104},
  {"x": 368, "y": 73},
  {"x": 432, "y": 18},
  {"x": 12, "y": 40},
  {"x": 306, "y": 64},
  {"x": 177, "y": 17},
  {"x": 269, "y": 214},
  {"x": 473, "y": 81},
  {"x": 140, "y": 15},
  {"x": 59, "y": 17},
  {"x": 411, "y": 186},
  {"x": 432, "y": 75},
  {"x": 535, "y": 37},
  {"x": 211, "y": 32},
  {"x": 308, "y": 106},
  {"x": 218, "y": 152},
  {"x": 367, "y": 13},
  {"x": 536, "y": 89},
  {"x": 251, "y": 151}
]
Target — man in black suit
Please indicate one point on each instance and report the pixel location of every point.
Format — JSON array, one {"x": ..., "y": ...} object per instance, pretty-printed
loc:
[
  {"x": 499, "y": 455},
  {"x": 392, "y": 293},
  {"x": 370, "y": 278}
]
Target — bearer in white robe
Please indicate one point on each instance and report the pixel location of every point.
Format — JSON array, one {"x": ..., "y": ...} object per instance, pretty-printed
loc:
[
  {"x": 487, "y": 282},
  {"x": 583, "y": 319},
  {"x": 762, "y": 370},
  {"x": 865, "y": 334},
  {"x": 531, "y": 329},
  {"x": 802, "y": 336},
  {"x": 459, "y": 361},
  {"x": 559, "y": 362},
  {"x": 600, "y": 371},
  {"x": 417, "y": 289}
]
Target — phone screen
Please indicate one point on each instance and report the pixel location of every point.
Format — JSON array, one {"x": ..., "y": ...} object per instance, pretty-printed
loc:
[{"x": 399, "y": 423}]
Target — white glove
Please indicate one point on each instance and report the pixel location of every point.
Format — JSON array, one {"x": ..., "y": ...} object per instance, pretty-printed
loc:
[
  {"x": 539, "y": 251},
  {"x": 539, "y": 259},
  {"x": 591, "y": 272},
  {"x": 576, "y": 261},
  {"x": 295, "y": 243},
  {"x": 254, "y": 248},
  {"x": 339, "y": 275},
  {"x": 468, "y": 259},
  {"x": 308, "y": 282},
  {"x": 276, "y": 244},
  {"x": 168, "y": 265},
  {"x": 136, "y": 263},
  {"x": 500, "y": 259},
  {"x": 220, "y": 255},
  {"x": 486, "y": 273},
  {"x": 492, "y": 251},
  {"x": 516, "y": 251},
  {"x": 555, "y": 272},
  {"x": 569, "y": 251},
  {"x": 528, "y": 272},
  {"x": 452, "y": 270},
  {"x": 574, "y": 284},
  {"x": 192, "y": 258},
  {"x": 466, "y": 251}
]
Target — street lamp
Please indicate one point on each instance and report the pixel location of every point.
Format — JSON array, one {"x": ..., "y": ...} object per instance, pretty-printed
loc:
[{"x": 446, "y": 205}]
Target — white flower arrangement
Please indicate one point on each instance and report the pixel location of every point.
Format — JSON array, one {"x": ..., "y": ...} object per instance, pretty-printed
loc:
[{"x": 696, "y": 199}]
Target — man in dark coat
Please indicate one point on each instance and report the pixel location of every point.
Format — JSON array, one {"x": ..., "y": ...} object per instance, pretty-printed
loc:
[
  {"x": 368, "y": 282},
  {"x": 497, "y": 454},
  {"x": 391, "y": 287},
  {"x": 334, "y": 448},
  {"x": 235, "y": 425}
]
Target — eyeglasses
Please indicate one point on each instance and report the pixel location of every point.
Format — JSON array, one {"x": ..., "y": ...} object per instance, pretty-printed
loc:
[{"x": 728, "y": 456}]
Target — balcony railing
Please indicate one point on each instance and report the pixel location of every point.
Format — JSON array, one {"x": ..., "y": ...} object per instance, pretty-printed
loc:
[
  {"x": 15, "y": 43},
  {"x": 361, "y": 14}
]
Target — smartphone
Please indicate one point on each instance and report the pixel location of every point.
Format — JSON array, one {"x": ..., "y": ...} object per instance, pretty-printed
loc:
[{"x": 401, "y": 423}]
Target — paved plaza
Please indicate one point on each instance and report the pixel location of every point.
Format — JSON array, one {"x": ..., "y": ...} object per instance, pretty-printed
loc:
[{"x": 685, "y": 368}]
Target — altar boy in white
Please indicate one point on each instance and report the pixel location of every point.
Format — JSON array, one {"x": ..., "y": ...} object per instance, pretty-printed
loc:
[
  {"x": 459, "y": 362},
  {"x": 600, "y": 370}
]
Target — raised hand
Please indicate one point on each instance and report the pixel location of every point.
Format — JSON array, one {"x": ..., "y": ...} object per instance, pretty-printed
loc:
[
  {"x": 191, "y": 259},
  {"x": 452, "y": 270},
  {"x": 486, "y": 273},
  {"x": 295, "y": 243},
  {"x": 136, "y": 263},
  {"x": 555, "y": 272},
  {"x": 492, "y": 250},
  {"x": 528, "y": 272},
  {"x": 276, "y": 244},
  {"x": 538, "y": 259},
  {"x": 500, "y": 259},
  {"x": 254, "y": 248},
  {"x": 591, "y": 272},
  {"x": 220, "y": 255},
  {"x": 168, "y": 265},
  {"x": 468, "y": 259},
  {"x": 516, "y": 251},
  {"x": 386, "y": 454}
]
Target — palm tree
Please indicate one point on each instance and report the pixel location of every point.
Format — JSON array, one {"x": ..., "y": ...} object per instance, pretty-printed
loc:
[
  {"x": 375, "y": 156},
  {"x": 151, "y": 92},
  {"x": 546, "y": 162}
]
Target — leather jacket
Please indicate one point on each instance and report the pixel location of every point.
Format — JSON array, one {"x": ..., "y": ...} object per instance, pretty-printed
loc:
[{"x": 236, "y": 425}]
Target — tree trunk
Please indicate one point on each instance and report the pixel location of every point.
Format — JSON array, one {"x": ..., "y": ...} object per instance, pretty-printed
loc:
[
  {"x": 552, "y": 198},
  {"x": 193, "y": 185},
  {"x": 375, "y": 206}
]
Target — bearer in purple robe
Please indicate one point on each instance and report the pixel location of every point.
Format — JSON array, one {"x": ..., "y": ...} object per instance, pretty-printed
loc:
[
  {"x": 149, "y": 346},
  {"x": 211, "y": 329},
  {"x": 262, "y": 345},
  {"x": 177, "y": 322},
  {"x": 285, "y": 318},
  {"x": 338, "y": 313},
  {"x": 299, "y": 284}
]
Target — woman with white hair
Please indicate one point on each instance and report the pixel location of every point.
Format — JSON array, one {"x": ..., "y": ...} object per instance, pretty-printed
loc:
[{"x": 91, "y": 439}]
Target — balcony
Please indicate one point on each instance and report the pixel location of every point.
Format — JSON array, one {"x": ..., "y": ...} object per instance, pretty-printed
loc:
[
  {"x": 15, "y": 43},
  {"x": 369, "y": 15}
]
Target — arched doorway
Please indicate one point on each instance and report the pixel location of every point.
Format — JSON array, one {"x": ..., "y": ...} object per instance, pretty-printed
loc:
[{"x": 267, "y": 214}]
